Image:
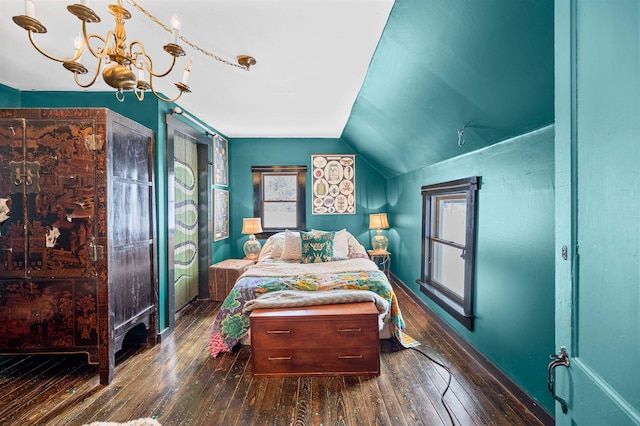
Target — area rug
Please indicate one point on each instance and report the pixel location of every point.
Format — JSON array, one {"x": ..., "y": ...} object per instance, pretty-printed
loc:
[{"x": 137, "y": 422}]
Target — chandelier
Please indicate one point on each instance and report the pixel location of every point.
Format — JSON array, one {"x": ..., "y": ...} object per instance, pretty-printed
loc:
[{"x": 127, "y": 66}]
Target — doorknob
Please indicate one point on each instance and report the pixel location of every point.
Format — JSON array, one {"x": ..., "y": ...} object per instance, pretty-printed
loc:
[{"x": 558, "y": 359}]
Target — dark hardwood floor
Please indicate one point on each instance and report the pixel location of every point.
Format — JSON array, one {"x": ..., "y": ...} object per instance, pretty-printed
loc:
[{"x": 178, "y": 383}]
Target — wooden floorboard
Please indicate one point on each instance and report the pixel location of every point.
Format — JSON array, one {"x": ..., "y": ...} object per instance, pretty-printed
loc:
[{"x": 178, "y": 383}]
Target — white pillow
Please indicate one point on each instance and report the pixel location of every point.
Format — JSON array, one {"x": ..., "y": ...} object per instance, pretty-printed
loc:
[
  {"x": 272, "y": 248},
  {"x": 292, "y": 249},
  {"x": 355, "y": 246},
  {"x": 340, "y": 243},
  {"x": 277, "y": 245}
]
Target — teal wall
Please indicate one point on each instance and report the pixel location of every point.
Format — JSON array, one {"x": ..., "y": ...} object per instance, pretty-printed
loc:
[
  {"x": 145, "y": 112},
  {"x": 9, "y": 97},
  {"x": 514, "y": 299},
  {"x": 247, "y": 152}
]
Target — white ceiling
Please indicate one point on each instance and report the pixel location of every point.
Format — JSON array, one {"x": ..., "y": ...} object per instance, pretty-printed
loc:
[{"x": 312, "y": 57}]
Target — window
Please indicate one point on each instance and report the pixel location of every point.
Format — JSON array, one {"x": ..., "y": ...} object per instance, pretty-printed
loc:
[
  {"x": 279, "y": 197},
  {"x": 448, "y": 246}
]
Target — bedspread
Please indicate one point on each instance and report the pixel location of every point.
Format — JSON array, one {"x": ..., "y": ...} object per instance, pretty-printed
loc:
[{"x": 231, "y": 325}]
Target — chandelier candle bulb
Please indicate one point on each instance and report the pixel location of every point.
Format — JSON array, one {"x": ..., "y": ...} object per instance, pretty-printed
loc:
[
  {"x": 84, "y": 3},
  {"x": 187, "y": 70},
  {"x": 139, "y": 63},
  {"x": 175, "y": 27},
  {"x": 77, "y": 44},
  {"x": 30, "y": 8}
]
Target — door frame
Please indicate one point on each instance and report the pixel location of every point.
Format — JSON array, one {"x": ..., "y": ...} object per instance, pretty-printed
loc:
[{"x": 205, "y": 236}]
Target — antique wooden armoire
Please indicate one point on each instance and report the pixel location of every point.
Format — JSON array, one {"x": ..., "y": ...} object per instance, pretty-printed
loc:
[{"x": 77, "y": 233}]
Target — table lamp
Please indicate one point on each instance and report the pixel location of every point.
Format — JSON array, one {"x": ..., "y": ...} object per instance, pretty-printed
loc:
[
  {"x": 379, "y": 221},
  {"x": 251, "y": 247}
]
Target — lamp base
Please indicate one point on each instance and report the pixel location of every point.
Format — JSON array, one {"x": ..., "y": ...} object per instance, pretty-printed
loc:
[
  {"x": 252, "y": 248},
  {"x": 379, "y": 242}
]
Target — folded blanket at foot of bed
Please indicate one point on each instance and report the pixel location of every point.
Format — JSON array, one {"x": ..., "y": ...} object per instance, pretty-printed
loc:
[
  {"x": 296, "y": 298},
  {"x": 232, "y": 323}
]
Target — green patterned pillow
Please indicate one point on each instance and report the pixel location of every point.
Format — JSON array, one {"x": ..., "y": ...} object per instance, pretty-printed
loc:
[{"x": 316, "y": 249}]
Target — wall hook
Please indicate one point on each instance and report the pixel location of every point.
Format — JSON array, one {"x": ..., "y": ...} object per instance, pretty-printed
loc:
[{"x": 460, "y": 135}]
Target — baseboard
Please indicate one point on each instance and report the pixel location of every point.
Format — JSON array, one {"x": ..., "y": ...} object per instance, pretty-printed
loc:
[
  {"x": 540, "y": 412},
  {"x": 163, "y": 334}
]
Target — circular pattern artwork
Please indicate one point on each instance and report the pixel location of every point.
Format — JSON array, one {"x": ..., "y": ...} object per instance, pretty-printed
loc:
[{"x": 334, "y": 189}]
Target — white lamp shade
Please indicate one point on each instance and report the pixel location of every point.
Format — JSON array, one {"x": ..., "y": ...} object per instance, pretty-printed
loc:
[
  {"x": 251, "y": 225},
  {"x": 378, "y": 221}
]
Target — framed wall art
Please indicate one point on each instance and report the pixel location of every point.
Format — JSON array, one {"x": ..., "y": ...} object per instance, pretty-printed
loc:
[
  {"x": 220, "y": 161},
  {"x": 334, "y": 184},
  {"x": 220, "y": 214}
]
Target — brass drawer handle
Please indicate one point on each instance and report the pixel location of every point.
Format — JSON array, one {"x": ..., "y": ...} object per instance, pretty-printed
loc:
[
  {"x": 350, "y": 356},
  {"x": 279, "y": 358},
  {"x": 347, "y": 330},
  {"x": 278, "y": 331}
]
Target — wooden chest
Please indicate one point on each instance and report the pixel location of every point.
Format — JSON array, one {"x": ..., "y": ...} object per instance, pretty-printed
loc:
[
  {"x": 223, "y": 275},
  {"x": 341, "y": 339}
]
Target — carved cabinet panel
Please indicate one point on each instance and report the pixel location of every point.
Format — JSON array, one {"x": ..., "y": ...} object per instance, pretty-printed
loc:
[
  {"x": 77, "y": 242},
  {"x": 49, "y": 314},
  {"x": 47, "y": 176}
]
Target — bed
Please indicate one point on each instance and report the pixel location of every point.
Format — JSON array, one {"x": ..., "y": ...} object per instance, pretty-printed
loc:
[{"x": 302, "y": 269}]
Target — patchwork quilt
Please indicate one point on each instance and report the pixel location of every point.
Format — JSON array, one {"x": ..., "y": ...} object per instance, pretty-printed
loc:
[{"x": 232, "y": 324}]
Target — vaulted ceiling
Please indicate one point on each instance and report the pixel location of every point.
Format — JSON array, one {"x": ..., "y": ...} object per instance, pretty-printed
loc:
[
  {"x": 441, "y": 66},
  {"x": 396, "y": 81}
]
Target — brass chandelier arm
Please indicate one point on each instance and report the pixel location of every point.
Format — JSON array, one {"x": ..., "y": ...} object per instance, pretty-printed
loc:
[
  {"x": 53, "y": 58},
  {"x": 162, "y": 98},
  {"x": 139, "y": 94},
  {"x": 173, "y": 62},
  {"x": 149, "y": 62},
  {"x": 95, "y": 76},
  {"x": 102, "y": 51}
]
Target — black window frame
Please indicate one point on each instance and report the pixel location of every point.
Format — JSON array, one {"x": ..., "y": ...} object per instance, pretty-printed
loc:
[
  {"x": 459, "y": 308},
  {"x": 301, "y": 183}
]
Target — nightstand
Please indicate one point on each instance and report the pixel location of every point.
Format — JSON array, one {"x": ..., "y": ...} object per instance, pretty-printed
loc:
[
  {"x": 223, "y": 275},
  {"x": 382, "y": 258}
]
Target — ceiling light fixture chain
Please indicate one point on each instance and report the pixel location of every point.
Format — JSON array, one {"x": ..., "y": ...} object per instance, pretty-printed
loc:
[{"x": 244, "y": 62}]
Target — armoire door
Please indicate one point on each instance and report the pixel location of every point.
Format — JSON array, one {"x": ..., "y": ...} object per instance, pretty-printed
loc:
[
  {"x": 48, "y": 183},
  {"x": 186, "y": 219},
  {"x": 48, "y": 297}
]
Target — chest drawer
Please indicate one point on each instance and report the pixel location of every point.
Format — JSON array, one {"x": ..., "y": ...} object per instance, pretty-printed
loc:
[
  {"x": 313, "y": 362},
  {"x": 309, "y": 332}
]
